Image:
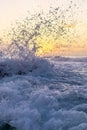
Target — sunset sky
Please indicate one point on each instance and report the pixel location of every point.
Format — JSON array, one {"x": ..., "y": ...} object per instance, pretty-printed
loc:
[{"x": 11, "y": 10}]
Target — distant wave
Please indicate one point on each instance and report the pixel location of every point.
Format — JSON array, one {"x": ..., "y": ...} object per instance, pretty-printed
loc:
[{"x": 70, "y": 59}]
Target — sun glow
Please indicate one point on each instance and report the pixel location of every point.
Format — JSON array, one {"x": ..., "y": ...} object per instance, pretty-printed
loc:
[{"x": 67, "y": 36}]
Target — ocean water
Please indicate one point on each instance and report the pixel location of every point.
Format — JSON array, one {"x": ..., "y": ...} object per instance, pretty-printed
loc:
[
  {"x": 38, "y": 93},
  {"x": 44, "y": 94}
]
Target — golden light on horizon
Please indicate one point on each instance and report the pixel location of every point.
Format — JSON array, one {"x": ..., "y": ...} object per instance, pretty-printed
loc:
[
  {"x": 61, "y": 46},
  {"x": 71, "y": 43}
]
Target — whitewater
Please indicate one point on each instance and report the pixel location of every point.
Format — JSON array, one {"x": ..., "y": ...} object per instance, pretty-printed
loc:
[
  {"x": 50, "y": 96},
  {"x": 42, "y": 93}
]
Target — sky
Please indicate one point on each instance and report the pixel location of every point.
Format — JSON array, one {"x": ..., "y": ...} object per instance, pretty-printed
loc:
[{"x": 11, "y": 10}]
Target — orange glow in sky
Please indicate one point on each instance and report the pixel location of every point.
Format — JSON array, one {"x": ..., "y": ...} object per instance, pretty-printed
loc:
[{"x": 11, "y": 10}]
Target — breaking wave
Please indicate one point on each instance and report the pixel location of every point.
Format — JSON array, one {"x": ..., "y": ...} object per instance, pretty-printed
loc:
[
  {"x": 41, "y": 93},
  {"x": 36, "y": 102}
]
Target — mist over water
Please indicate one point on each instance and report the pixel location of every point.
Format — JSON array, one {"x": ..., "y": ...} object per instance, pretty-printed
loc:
[
  {"x": 40, "y": 31},
  {"x": 38, "y": 93},
  {"x": 36, "y": 35}
]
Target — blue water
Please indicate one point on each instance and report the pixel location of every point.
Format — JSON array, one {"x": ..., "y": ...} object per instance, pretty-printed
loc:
[{"x": 53, "y": 96}]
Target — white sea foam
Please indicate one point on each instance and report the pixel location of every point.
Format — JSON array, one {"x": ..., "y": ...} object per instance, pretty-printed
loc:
[
  {"x": 38, "y": 93},
  {"x": 46, "y": 102}
]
